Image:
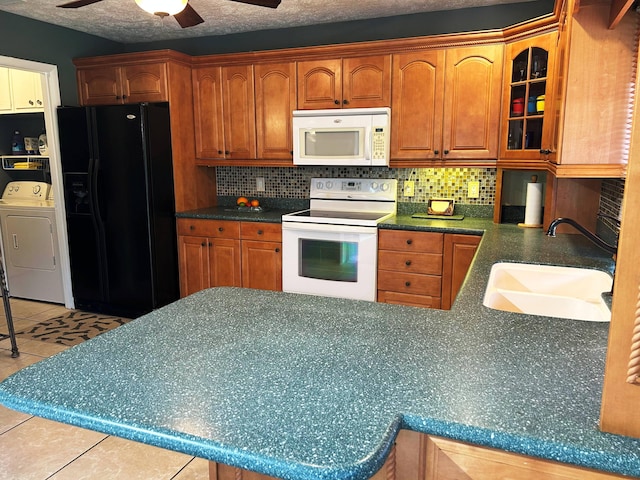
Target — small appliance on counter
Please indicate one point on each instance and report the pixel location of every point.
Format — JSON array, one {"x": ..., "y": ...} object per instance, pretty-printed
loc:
[{"x": 439, "y": 209}]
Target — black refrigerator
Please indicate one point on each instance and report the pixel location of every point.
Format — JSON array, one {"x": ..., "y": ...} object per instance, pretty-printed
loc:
[{"x": 120, "y": 211}]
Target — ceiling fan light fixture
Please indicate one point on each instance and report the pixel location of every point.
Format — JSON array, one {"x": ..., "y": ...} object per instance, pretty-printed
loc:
[{"x": 162, "y": 8}]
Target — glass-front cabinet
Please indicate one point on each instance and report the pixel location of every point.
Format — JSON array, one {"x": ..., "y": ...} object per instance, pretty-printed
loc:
[{"x": 527, "y": 102}]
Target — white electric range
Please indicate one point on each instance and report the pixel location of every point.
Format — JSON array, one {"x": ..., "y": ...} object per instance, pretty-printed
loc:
[{"x": 331, "y": 248}]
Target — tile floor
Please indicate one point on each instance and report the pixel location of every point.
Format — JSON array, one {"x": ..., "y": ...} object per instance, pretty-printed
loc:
[{"x": 33, "y": 448}]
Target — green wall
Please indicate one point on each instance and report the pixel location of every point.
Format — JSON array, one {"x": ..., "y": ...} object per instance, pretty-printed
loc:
[
  {"x": 402, "y": 26},
  {"x": 46, "y": 43},
  {"x": 42, "y": 42}
]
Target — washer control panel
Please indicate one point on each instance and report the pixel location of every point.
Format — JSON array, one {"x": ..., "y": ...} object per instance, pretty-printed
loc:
[{"x": 26, "y": 190}]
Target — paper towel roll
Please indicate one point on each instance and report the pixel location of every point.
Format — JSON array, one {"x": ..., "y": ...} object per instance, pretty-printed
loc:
[{"x": 533, "y": 205}]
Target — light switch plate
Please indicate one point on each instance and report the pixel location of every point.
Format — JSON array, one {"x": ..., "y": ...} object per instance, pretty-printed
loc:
[
  {"x": 473, "y": 189},
  {"x": 409, "y": 188}
]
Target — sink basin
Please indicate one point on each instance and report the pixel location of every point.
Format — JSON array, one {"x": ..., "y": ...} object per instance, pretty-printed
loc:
[{"x": 550, "y": 291}]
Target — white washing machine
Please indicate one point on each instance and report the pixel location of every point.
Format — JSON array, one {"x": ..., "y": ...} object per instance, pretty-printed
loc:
[{"x": 30, "y": 243}]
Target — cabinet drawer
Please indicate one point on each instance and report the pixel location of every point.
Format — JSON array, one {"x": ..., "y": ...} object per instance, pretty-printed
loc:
[
  {"x": 209, "y": 228},
  {"x": 409, "y": 299},
  {"x": 410, "y": 241},
  {"x": 410, "y": 283},
  {"x": 428, "y": 263},
  {"x": 270, "y": 232}
]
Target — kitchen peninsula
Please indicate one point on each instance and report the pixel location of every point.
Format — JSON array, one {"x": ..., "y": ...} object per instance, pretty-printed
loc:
[{"x": 304, "y": 387}]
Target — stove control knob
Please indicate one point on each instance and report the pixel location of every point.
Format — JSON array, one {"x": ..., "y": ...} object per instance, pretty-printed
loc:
[
  {"x": 36, "y": 189},
  {"x": 374, "y": 185},
  {"x": 329, "y": 185},
  {"x": 319, "y": 185},
  {"x": 385, "y": 187}
]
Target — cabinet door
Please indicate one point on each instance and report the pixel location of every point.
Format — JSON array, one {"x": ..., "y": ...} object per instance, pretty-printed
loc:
[
  {"x": 459, "y": 251},
  {"x": 99, "y": 86},
  {"x": 417, "y": 104},
  {"x": 366, "y": 81},
  {"x": 144, "y": 83},
  {"x": 275, "y": 103},
  {"x": 224, "y": 262},
  {"x": 473, "y": 87},
  {"x": 526, "y": 121},
  {"x": 320, "y": 84},
  {"x": 262, "y": 265},
  {"x": 207, "y": 111},
  {"x": 26, "y": 88},
  {"x": 193, "y": 256},
  {"x": 6, "y": 101},
  {"x": 239, "y": 112}
]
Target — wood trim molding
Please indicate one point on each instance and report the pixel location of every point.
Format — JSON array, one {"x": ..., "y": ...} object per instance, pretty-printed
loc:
[{"x": 137, "y": 58}]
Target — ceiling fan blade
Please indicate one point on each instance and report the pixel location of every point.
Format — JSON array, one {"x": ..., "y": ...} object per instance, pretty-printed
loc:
[
  {"x": 261, "y": 3},
  {"x": 187, "y": 17},
  {"x": 78, "y": 3}
]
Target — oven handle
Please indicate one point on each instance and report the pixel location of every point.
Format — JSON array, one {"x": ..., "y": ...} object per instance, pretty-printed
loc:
[{"x": 328, "y": 228}]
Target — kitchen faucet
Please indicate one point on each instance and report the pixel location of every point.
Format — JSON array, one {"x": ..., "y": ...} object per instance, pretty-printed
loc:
[{"x": 612, "y": 249}]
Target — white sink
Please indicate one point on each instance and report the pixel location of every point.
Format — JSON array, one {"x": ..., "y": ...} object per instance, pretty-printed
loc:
[{"x": 550, "y": 291}]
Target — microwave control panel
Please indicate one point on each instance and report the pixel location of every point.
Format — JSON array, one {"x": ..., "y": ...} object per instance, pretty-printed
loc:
[{"x": 379, "y": 147}]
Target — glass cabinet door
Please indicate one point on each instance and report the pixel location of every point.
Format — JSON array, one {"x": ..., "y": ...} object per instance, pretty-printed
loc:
[{"x": 527, "y": 98}]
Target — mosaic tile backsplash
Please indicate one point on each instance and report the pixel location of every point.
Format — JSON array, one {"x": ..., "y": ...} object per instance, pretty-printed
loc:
[{"x": 294, "y": 182}]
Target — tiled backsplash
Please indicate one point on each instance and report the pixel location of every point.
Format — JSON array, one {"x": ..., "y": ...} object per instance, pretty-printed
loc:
[{"x": 294, "y": 182}]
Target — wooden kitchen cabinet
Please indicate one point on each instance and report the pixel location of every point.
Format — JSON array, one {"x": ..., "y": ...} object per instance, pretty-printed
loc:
[
  {"x": 459, "y": 251},
  {"x": 114, "y": 84},
  {"x": 275, "y": 92},
  {"x": 216, "y": 253},
  {"x": 353, "y": 82},
  {"x": 208, "y": 254},
  {"x": 417, "y": 456},
  {"x": 261, "y": 255},
  {"x": 410, "y": 267},
  {"x": 446, "y": 105},
  {"x": 423, "y": 269},
  {"x": 224, "y": 112}
]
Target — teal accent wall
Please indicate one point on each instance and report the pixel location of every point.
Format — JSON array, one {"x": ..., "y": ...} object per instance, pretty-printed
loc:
[
  {"x": 46, "y": 43},
  {"x": 401, "y": 26},
  {"x": 42, "y": 42}
]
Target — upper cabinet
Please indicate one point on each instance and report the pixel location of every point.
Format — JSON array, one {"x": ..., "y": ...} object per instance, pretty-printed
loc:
[
  {"x": 446, "y": 105},
  {"x": 356, "y": 82},
  {"x": 527, "y": 124},
  {"x": 224, "y": 110},
  {"x": 568, "y": 95},
  {"x": 112, "y": 85},
  {"x": 20, "y": 91}
]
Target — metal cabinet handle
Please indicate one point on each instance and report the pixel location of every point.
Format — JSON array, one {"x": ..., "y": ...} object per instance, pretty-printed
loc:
[
  {"x": 436, "y": 152},
  {"x": 192, "y": 227},
  {"x": 409, "y": 242},
  {"x": 345, "y": 102},
  {"x": 277, "y": 250},
  {"x": 407, "y": 284},
  {"x": 407, "y": 263},
  {"x": 203, "y": 244},
  {"x": 337, "y": 102},
  {"x": 226, "y": 152},
  {"x": 219, "y": 152},
  {"x": 221, "y": 229},
  {"x": 259, "y": 232},
  {"x": 445, "y": 151}
]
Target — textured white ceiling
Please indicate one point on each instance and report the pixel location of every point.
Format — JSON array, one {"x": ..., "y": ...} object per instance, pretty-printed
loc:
[{"x": 124, "y": 21}]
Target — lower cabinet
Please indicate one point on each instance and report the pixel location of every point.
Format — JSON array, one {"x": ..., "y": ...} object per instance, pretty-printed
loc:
[
  {"x": 417, "y": 456},
  {"x": 217, "y": 253},
  {"x": 423, "y": 269}
]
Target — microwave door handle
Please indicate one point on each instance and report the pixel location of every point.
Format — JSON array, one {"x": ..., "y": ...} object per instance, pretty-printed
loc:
[{"x": 367, "y": 147}]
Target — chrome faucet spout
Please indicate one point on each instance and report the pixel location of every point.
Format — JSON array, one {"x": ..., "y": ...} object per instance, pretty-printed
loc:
[{"x": 612, "y": 249}]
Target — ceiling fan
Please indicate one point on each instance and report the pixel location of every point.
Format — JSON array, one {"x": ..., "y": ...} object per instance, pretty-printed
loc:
[{"x": 184, "y": 13}]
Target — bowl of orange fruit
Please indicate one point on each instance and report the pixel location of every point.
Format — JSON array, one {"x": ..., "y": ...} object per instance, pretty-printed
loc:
[{"x": 246, "y": 205}]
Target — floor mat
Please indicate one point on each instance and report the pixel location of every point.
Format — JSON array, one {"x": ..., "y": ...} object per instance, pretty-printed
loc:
[{"x": 72, "y": 328}]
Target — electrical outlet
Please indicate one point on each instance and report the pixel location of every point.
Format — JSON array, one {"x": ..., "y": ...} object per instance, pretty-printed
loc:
[
  {"x": 409, "y": 188},
  {"x": 473, "y": 189},
  {"x": 259, "y": 184}
]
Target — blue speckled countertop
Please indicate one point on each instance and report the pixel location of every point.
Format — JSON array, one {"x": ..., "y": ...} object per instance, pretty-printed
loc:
[{"x": 304, "y": 387}]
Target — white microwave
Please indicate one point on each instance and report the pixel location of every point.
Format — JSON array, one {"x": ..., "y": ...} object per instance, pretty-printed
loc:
[{"x": 354, "y": 136}]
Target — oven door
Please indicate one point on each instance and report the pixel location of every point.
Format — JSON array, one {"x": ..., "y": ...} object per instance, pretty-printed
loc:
[{"x": 329, "y": 260}]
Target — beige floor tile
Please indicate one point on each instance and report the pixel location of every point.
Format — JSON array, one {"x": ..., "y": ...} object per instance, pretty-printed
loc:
[
  {"x": 11, "y": 418},
  {"x": 26, "y": 308},
  {"x": 197, "y": 469},
  {"x": 10, "y": 365},
  {"x": 37, "y": 448},
  {"x": 115, "y": 459},
  {"x": 38, "y": 347}
]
